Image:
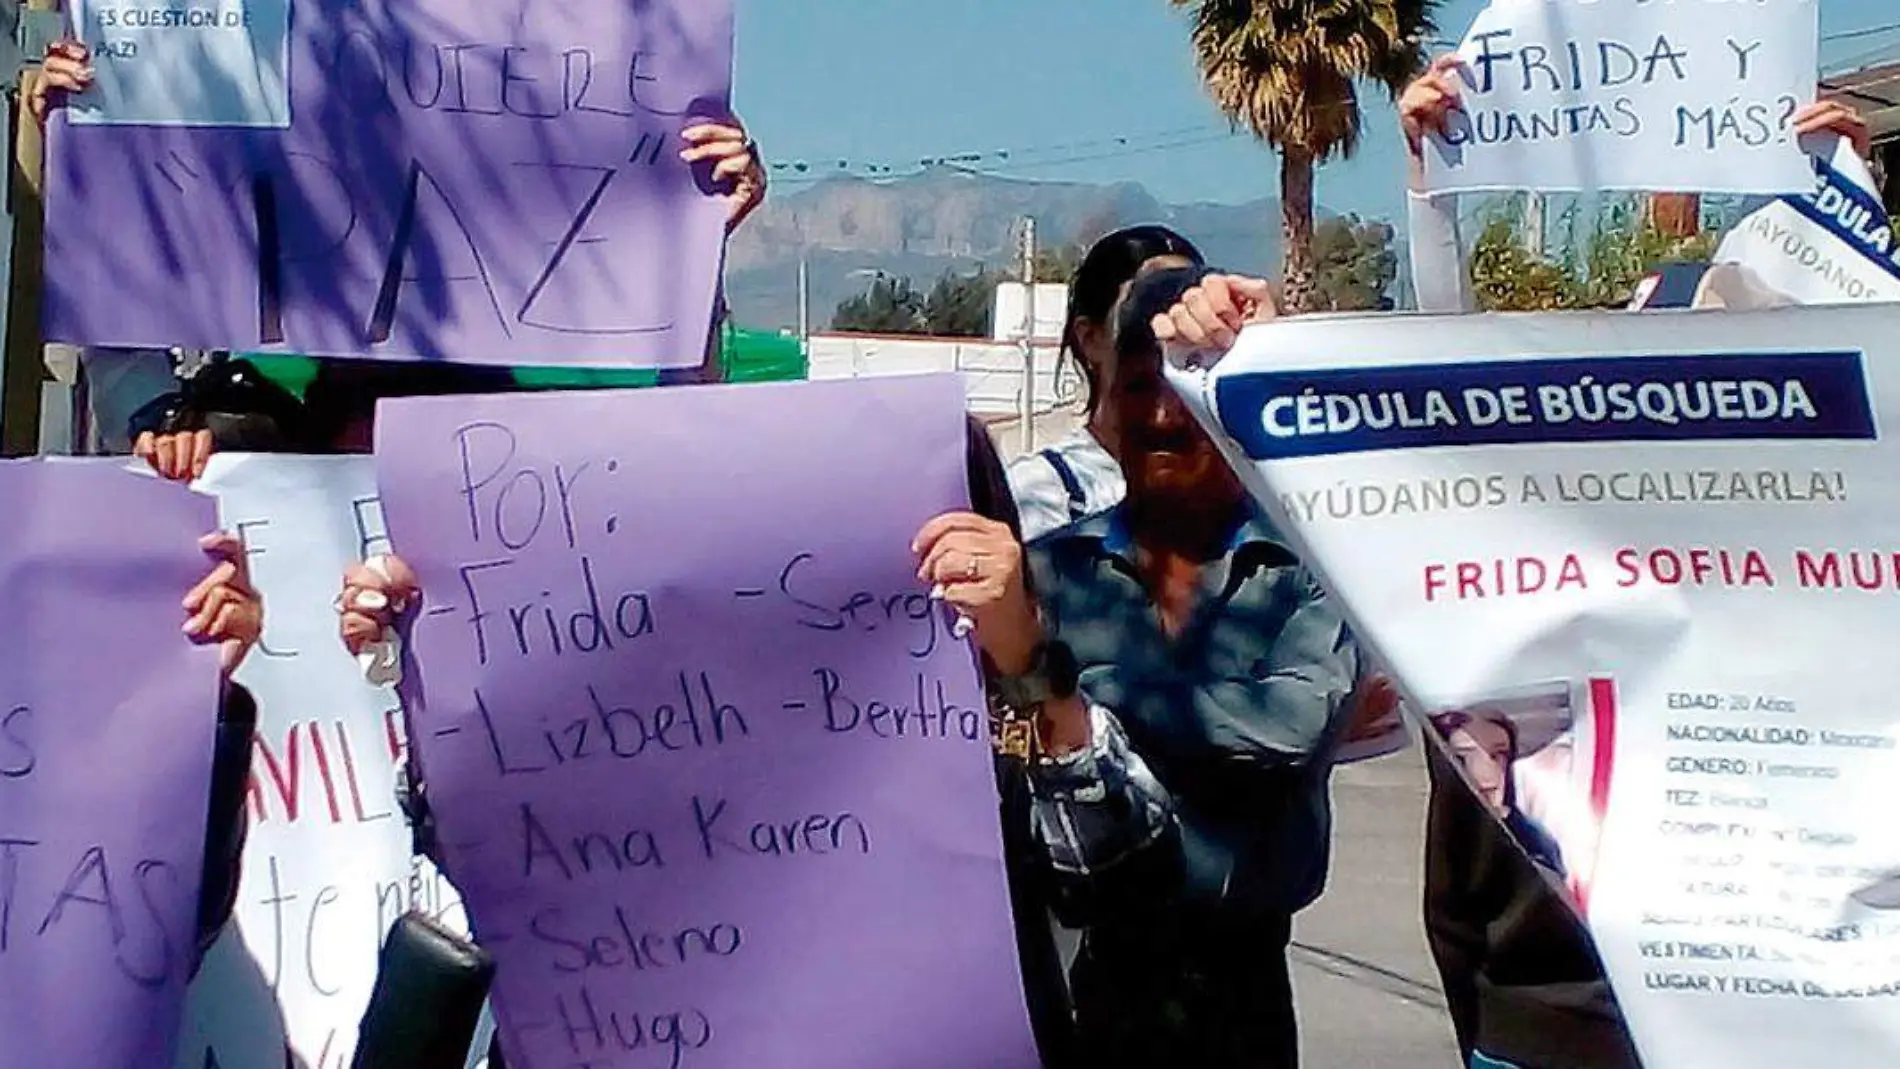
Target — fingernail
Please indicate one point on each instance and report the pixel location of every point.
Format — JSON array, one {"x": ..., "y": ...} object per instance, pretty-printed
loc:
[{"x": 937, "y": 592}]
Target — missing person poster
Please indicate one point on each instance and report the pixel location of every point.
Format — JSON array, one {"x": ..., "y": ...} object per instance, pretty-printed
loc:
[
  {"x": 1640, "y": 571},
  {"x": 1833, "y": 244}
]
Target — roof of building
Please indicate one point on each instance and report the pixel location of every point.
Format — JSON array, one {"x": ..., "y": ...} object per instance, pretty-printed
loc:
[{"x": 1873, "y": 86}]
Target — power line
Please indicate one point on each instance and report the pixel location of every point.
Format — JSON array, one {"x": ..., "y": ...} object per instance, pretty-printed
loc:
[
  {"x": 1205, "y": 139},
  {"x": 1033, "y": 156},
  {"x": 1870, "y": 31},
  {"x": 795, "y": 170},
  {"x": 1002, "y": 162},
  {"x": 1024, "y": 169}
]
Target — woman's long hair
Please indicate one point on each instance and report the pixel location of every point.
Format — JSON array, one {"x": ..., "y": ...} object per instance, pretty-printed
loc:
[
  {"x": 1110, "y": 264},
  {"x": 989, "y": 484},
  {"x": 347, "y": 389},
  {"x": 1447, "y": 723}
]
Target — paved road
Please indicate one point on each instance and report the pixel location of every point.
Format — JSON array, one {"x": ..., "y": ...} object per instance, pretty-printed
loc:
[{"x": 1368, "y": 993}]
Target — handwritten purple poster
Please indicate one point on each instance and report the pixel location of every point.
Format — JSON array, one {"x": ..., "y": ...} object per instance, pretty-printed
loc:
[
  {"x": 493, "y": 182},
  {"x": 711, "y": 771},
  {"x": 107, "y": 715}
]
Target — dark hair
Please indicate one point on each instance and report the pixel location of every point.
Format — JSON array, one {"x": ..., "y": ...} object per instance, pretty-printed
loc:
[
  {"x": 1110, "y": 264},
  {"x": 242, "y": 408},
  {"x": 1446, "y": 723},
  {"x": 989, "y": 481},
  {"x": 1150, "y": 296},
  {"x": 347, "y": 389}
]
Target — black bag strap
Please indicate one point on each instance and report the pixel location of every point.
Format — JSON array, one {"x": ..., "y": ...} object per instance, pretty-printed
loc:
[{"x": 1078, "y": 498}]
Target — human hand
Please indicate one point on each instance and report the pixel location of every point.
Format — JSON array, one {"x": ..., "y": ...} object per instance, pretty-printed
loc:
[
  {"x": 1834, "y": 117},
  {"x": 976, "y": 564},
  {"x": 375, "y": 593},
  {"x": 67, "y": 68},
  {"x": 1426, "y": 105},
  {"x": 177, "y": 455},
  {"x": 1209, "y": 317},
  {"x": 736, "y": 163},
  {"x": 224, "y": 608}
]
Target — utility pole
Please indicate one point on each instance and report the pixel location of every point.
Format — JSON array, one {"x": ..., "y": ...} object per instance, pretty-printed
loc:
[
  {"x": 1028, "y": 406},
  {"x": 804, "y": 304}
]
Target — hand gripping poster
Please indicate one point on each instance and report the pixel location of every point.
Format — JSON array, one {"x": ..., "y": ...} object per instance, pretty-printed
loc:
[
  {"x": 327, "y": 866},
  {"x": 1832, "y": 245},
  {"x": 1641, "y": 572}
]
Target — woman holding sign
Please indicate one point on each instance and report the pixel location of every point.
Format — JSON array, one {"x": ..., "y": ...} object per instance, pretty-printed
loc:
[
  {"x": 1522, "y": 979},
  {"x": 1188, "y": 682},
  {"x": 224, "y": 608},
  {"x": 237, "y": 409},
  {"x": 377, "y": 592},
  {"x": 1078, "y": 476},
  {"x": 1440, "y": 269},
  {"x": 1521, "y": 972}
]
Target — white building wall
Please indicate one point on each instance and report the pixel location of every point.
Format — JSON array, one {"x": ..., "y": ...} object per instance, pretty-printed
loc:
[{"x": 992, "y": 373}]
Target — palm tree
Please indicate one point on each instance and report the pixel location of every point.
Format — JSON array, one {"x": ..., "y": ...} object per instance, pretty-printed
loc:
[{"x": 1288, "y": 70}]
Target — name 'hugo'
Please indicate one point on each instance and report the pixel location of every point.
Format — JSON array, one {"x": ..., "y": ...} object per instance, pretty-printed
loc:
[{"x": 1312, "y": 413}]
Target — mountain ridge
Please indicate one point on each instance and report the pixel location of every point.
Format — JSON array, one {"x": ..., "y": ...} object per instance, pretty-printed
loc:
[{"x": 946, "y": 219}]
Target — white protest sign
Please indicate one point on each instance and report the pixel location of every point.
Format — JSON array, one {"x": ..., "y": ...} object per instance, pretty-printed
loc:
[
  {"x": 1831, "y": 245},
  {"x": 211, "y": 63},
  {"x": 1631, "y": 95},
  {"x": 1646, "y": 565},
  {"x": 327, "y": 866}
]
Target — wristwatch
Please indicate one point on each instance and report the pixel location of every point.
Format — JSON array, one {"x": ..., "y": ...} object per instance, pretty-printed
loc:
[{"x": 1053, "y": 675}]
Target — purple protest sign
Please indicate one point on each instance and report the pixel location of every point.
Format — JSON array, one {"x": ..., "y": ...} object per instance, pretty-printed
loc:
[
  {"x": 491, "y": 183},
  {"x": 107, "y": 715},
  {"x": 711, "y": 771}
]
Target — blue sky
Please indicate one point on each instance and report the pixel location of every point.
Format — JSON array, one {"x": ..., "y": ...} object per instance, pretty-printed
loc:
[{"x": 1058, "y": 82}]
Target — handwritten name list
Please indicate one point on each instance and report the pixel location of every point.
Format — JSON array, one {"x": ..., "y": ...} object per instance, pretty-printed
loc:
[{"x": 711, "y": 773}]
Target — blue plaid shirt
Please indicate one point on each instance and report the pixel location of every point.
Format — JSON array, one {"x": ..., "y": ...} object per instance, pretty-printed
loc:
[{"x": 1218, "y": 740}]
